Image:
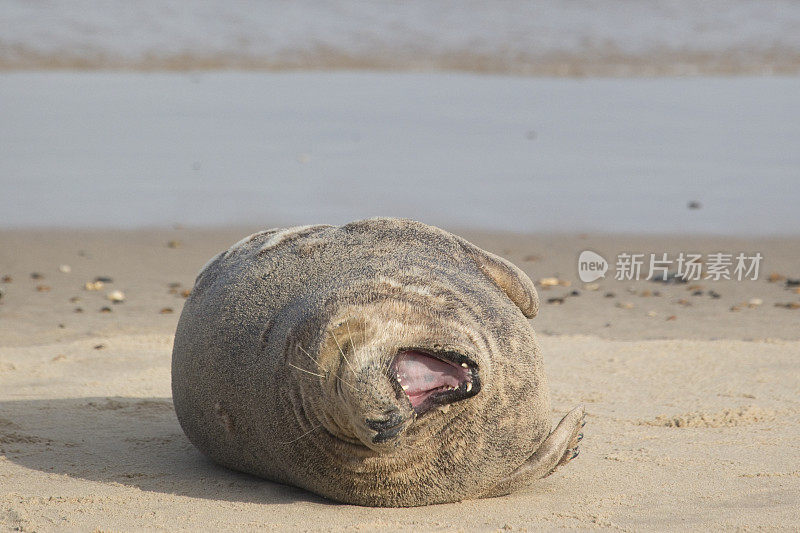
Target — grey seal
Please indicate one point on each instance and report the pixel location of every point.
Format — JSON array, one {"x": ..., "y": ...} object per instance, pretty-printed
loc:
[{"x": 384, "y": 362}]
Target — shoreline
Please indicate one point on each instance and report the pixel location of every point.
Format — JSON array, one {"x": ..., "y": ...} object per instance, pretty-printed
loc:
[{"x": 524, "y": 154}]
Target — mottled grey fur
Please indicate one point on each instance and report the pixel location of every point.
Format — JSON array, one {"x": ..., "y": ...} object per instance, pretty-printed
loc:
[{"x": 284, "y": 349}]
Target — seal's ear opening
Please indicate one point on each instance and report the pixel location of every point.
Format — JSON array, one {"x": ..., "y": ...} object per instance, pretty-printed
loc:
[{"x": 513, "y": 281}]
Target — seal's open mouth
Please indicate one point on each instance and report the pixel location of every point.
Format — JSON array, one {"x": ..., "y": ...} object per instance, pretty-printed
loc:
[{"x": 431, "y": 379}]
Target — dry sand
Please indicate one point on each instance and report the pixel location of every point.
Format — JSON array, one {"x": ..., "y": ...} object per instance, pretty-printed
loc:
[{"x": 692, "y": 420}]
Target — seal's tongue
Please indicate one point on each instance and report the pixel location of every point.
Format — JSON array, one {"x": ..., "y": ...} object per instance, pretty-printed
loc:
[{"x": 421, "y": 375}]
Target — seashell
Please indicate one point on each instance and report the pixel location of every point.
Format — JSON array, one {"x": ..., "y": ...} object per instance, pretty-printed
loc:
[
  {"x": 116, "y": 296},
  {"x": 93, "y": 285}
]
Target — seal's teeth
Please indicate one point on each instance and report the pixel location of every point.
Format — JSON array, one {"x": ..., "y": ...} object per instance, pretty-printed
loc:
[
  {"x": 469, "y": 386},
  {"x": 405, "y": 387},
  {"x": 464, "y": 365}
]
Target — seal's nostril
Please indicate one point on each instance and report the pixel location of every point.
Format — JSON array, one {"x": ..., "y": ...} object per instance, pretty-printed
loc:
[
  {"x": 383, "y": 424},
  {"x": 386, "y": 434}
]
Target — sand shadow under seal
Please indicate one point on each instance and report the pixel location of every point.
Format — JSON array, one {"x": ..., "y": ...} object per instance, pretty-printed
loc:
[{"x": 132, "y": 441}]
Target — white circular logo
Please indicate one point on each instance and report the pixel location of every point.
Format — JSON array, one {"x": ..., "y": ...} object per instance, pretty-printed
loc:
[{"x": 591, "y": 266}]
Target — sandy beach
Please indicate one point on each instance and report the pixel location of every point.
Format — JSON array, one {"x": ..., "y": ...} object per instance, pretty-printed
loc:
[
  {"x": 138, "y": 141},
  {"x": 692, "y": 398}
]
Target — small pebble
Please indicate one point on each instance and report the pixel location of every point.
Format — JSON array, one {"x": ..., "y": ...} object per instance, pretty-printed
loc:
[
  {"x": 549, "y": 282},
  {"x": 7, "y": 279},
  {"x": 78, "y": 310},
  {"x": 166, "y": 311},
  {"x": 37, "y": 275},
  {"x": 75, "y": 299},
  {"x": 714, "y": 294},
  {"x": 694, "y": 288},
  {"x": 116, "y": 296},
  {"x": 64, "y": 269},
  {"x": 186, "y": 293},
  {"x": 790, "y": 305},
  {"x": 684, "y": 302},
  {"x": 610, "y": 295},
  {"x": 694, "y": 204},
  {"x": 591, "y": 286},
  {"x": 697, "y": 293},
  {"x": 43, "y": 288},
  {"x": 672, "y": 277},
  {"x": 755, "y": 302},
  {"x": 646, "y": 294},
  {"x": 792, "y": 282},
  {"x": 556, "y": 301},
  {"x": 797, "y": 290},
  {"x": 531, "y": 258},
  {"x": 174, "y": 285},
  {"x": 775, "y": 277},
  {"x": 105, "y": 309},
  {"x": 99, "y": 346},
  {"x": 672, "y": 317},
  {"x": 93, "y": 285},
  {"x": 651, "y": 314},
  {"x": 173, "y": 244},
  {"x": 103, "y": 279},
  {"x": 61, "y": 326},
  {"x": 59, "y": 357},
  {"x": 575, "y": 293},
  {"x": 625, "y": 305},
  {"x": 736, "y": 308}
]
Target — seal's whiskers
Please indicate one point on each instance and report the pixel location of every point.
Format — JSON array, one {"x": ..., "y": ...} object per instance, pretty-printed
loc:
[
  {"x": 306, "y": 371},
  {"x": 346, "y": 360},
  {"x": 307, "y": 433},
  {"x": 319, "y": 366}
]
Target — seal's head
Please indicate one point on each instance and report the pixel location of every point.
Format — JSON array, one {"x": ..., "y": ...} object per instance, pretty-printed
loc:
[
  {"x": 398, "y": 367},
  {"x": 388, "y": 377}
]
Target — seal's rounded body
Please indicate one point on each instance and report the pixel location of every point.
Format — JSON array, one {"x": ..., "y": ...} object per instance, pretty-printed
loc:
[{"x": 384, "y": 362}]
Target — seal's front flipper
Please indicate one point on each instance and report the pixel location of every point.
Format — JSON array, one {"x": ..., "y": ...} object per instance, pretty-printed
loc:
[{"x": 557, "y": 449}]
